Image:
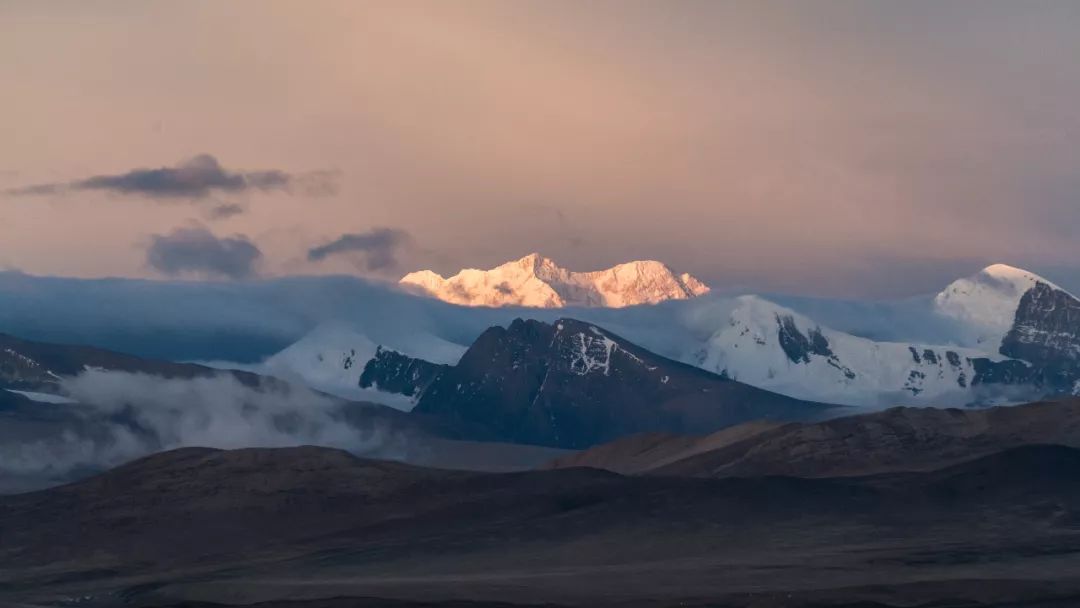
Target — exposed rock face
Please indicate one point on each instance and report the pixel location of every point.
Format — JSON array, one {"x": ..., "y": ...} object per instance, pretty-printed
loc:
[
  {"x": 797, "y": 346},
  {"x": 539, "y": 282},
  {"x": 571, "y": 384},
  {"x": 1043, "y": 344},
  {"x": 1024, "y": 317},
  {"x": 1046, "y": 333},
  {"x": 1008, "y": 372},
  {"x": 394, "y": 372}
]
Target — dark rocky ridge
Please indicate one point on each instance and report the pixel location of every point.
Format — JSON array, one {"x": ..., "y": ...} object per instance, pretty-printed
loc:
[
  {"x": 573, "y": 385},
  {"x": 799, "y": 347},
  {"x": 393, "y": 372},
  {"x": 28, "y": 364},
  {"x": 1043, "y": 345},
  {"x": 1046, "y": 333}
]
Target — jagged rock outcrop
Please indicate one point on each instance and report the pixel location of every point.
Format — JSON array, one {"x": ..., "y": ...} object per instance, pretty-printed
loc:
[
  {"x": 393, "y": 372},
  {"x": 1046, "y": 333}
]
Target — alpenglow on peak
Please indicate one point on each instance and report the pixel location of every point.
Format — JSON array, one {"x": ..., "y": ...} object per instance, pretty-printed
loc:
[{"x": 537, "y": 281}]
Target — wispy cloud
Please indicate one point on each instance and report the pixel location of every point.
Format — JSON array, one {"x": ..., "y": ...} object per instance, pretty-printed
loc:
[
  {"x": 196, "y": 178},
  {"x": 196, "y": 250},
  {"x": 225, "y": 211},
  {"x": 376, "y": 249}
]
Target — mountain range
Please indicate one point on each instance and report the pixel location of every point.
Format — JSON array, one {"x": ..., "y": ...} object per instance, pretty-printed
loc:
[
  {"x": 395, "y": 349},
  {"x": 569, "y": 385},
  {"x": 537, "y": 281},
  {"x": 1002, "y": 335}
]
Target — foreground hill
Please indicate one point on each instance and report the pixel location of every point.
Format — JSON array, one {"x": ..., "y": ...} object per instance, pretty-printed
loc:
[
  {"x": 898, "y": 439},
  {"x": 259, "y": 525}
]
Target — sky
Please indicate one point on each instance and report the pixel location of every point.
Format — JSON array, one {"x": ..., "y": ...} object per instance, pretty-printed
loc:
[{"x": 834, "y": 148}]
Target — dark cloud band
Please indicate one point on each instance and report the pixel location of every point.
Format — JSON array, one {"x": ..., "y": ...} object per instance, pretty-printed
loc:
[
  {"x": 376, "y": 249},
  {"x": 195, "y": 250},
  {"x": 192, "y": 179}
]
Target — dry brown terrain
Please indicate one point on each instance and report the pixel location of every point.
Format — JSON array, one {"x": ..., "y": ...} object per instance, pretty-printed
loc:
[
  {"x": 307, "y": 523},
  {"x": 894, "y": 440}
]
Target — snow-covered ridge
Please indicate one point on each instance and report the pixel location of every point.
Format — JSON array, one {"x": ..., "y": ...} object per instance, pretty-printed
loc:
[
  {"x": 986, "y": 302},
  {"x": 332, "y": 358},
  {"x": 772, "y": 347},
  {"x": 536, "y": 281}
]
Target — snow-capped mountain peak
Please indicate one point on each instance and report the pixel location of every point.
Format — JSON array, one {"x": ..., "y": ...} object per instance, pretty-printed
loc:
[
  {"x": 333, "y": 356},
  {"x": 537, "y": 281},
  {"x": 424, "y": 279},
  {"x": 987, "y": 301}
]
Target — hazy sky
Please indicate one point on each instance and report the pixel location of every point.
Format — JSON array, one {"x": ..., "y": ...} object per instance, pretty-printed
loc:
[{"x": 851, "y": 148}]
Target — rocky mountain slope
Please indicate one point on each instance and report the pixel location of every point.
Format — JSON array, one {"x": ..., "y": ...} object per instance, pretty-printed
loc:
[
  {"x": 1046, "y": 333},
  {"x": 539, "y": 282},
  {"x": 571, "y": 384}
]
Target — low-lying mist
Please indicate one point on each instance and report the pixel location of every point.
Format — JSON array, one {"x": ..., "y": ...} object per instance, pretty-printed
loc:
[{"x": 121, "y": 416}]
